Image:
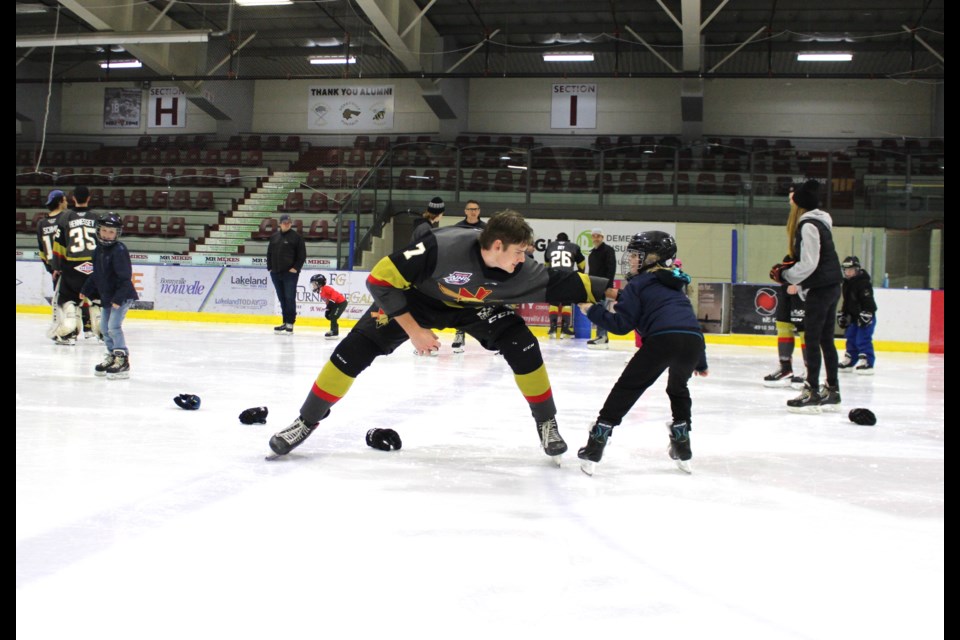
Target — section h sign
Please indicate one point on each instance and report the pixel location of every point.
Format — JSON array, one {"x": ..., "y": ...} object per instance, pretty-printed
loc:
[
  {"x": 573, "y": 106},
  {"x": 168, "y": 107}
]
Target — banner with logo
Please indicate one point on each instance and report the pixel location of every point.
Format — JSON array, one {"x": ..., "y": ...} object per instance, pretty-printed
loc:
[
  {"x": 754, "y": 309},
  {"x": 616, "y": 234},
  {"x": 345, "y": 107},
  {"x": 239, "y": 290},
  {"x": 185, "y": 288},
  {"x": 352, "y": 284}
]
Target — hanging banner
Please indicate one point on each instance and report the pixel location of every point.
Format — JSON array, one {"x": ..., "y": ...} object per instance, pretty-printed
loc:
[
  {"x": 168, "y": 107},
  {"x": 121, "y": 108},
  {"x": 573, "y": 106},
  {"x": 350, "y": 107}
]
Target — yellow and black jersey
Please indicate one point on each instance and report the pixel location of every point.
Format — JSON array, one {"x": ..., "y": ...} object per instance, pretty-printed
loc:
[
  {"x": 564, "y": 255},
  {"x": 76, "y": 240},
  {"x": 445, "y": 269},
  {"x": 46, "y": 238}
]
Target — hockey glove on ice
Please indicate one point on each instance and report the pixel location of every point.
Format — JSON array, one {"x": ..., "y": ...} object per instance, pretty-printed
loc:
[
  {"x": 187, "y": 401},
  {"x": 865, "y": 319},
  {"x": 863, "y": 417},
  {"x": 383, "y": 439},
  {"x": 776, "y": 271},
  {"x": 843, "y": 320},
  {"x": 254, "y": 415}
]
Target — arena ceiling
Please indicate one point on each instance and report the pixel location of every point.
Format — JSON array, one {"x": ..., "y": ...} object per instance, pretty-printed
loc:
[{"x": 429, "y": 39}]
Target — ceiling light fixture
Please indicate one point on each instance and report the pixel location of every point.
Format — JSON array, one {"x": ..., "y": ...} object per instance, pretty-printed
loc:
[
  {"x": 333, "y": 60},
  {"x": 262, "y": 3},
  {"x": 838, "y": 56},
  {"x": 518, "y": 167},
  {"x": 568, "y": 57},
  {"x": 121, "y": 64}
]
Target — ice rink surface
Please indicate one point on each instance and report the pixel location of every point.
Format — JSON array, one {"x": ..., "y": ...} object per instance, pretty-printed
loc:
[{"x": 139, "y": 520}]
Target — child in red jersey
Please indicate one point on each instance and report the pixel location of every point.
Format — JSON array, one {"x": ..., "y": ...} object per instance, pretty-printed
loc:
[{"x": 336, "y": 303}]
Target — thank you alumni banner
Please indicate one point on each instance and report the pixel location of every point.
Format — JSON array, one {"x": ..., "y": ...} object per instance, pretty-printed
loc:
[{"x": 350, "y": 107}]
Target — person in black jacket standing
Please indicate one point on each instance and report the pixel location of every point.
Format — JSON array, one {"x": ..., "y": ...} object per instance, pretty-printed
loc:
[
  {"x": 816, "y": 277},
  {"x": 429, "y": 219},
  {"x": 471, "y": 220},
  {"x": 857, "y": 317},
  {"x": 602, "y": 263},
  {"x": 286, "y": 254}
]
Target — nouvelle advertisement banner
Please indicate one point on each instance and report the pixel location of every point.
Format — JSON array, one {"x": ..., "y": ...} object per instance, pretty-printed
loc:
[{"x": 214, "y": 289}]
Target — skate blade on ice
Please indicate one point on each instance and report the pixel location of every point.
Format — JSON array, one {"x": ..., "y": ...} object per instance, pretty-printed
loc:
[
  {"x": 588, "y": 467},
  {"x": 684, "y": 465}
]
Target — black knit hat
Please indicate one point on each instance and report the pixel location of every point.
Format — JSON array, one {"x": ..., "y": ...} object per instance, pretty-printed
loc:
[
  {"x": 807, "y": 195},
  {"x": 436, "y": 206}
]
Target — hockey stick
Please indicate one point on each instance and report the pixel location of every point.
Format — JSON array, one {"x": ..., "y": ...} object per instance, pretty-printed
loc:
[{"x": 55, "y": 323}]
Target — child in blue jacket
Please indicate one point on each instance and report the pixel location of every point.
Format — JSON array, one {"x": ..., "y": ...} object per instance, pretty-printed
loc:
[{"x": 654, "y": 304}]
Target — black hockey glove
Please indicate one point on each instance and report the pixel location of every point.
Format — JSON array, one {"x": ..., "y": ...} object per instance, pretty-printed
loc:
[
  {"x": 865, "y": 319},
  {"x": 187, "y": 401},
  {"x": 863, "y": 417},
  {"x": 254, "y": 415},
  {"x": 843, "y": 320},
  {"x": 383, "y": 439},
  {"x": 329, "y": 311}
]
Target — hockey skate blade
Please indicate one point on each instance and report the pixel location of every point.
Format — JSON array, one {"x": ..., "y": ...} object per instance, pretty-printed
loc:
[
  {"x": 273, "y": 457},
  {"x": 783, "y": 383},
  {"x": 814, "y": 410},
  {"x": 684, "y": 465},
  {"x": 557, "y": 459},
  {"x": 588, "y": 467}
]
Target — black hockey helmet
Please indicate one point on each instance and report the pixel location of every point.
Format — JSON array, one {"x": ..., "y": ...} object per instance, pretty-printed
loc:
[
  {"x": 649, "y": 247},
  {"x": 318, "y": 281},
  {"x": 851, "y": 262},
  {"x": 111, "y": 221}
]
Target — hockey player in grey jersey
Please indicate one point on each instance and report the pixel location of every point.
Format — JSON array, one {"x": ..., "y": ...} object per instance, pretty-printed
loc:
[{"x": 453, "y": 278}]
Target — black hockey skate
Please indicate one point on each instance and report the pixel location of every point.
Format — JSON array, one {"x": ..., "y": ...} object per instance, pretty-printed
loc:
[
  {"x": 290, "y": 438},
  {"x": 807, "y": 402},
  {"x": 280, "y": 329},
  {"x": 458, "y": 341},
  {"x": 782, "y": 377},
  {"x": 550, "y": 439},
  {"x": 101, "y": 369},
  {"x": 120, "y": 369},
  {"x": 591, "y": 454},
  {"x": 680, "y": 445},
  {"x": 333, "y": 334},
  {"x": 829, "y": 398},
  {"x": 863, "y": 368}
]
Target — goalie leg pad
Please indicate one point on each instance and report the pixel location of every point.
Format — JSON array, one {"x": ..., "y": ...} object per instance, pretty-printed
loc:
[
  {"x": 95, "y": 314},
  {"x": 68, "y": 319}
]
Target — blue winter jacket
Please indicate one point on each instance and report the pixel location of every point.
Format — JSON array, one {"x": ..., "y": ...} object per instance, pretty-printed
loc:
[
  {"x": 652, "y": 303},
  {"x": 112, "y": 278}
]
